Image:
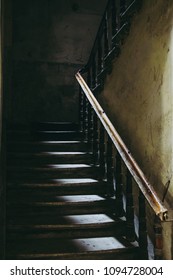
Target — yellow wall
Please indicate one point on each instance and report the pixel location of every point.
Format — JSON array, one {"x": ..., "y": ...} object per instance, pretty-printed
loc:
[{"x": 138, "y": 96}]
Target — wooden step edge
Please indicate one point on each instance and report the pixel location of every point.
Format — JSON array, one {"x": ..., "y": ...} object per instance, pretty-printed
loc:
[
  {"x": 25, "y": 155},
  {"x": 51, "y": 168},
  {"x": 54, "y": 227},
  {"x": 22, "y": 233},
  {"x": 114, "y": 254},
  {"x": 21, "y": 204}
]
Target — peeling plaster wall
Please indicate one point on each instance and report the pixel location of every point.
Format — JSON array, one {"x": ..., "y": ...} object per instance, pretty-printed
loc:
[
  {"x": 51, "y": 41},
  {"x": 138, "y": 97}
]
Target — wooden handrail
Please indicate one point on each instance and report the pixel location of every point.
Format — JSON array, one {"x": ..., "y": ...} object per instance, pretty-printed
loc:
[{"x": 146, "y": 188}]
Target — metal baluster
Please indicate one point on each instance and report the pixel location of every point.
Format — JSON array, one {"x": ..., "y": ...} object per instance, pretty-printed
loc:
[
  {"x": 106, "y": 36},
  {"x": 158, "y": 246},
  {"x": 143, "y": 243},
  {"x": 102, "y": 150},
  {"x": 85, "y": 116},
  {"x": 114, "y": 18},
  {"x": 115, "y": 28},
  {"x": 130, "y": 227},
  {"x": 123, "y": 6},
  {"x": 95, "y": 139},
  {"x": 81, "y": 117},
  {"x": 89, "y": 111},
  {"x": 109, "y": 164},
  {"x": 100, "y": 70},
  {"x": 119, "y": 187},
  {"x": 100, "y": 58},
  {"x": 93, "y": 82}
]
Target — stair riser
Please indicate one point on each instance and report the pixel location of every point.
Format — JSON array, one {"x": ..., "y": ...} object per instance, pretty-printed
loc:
[
  {"x": 44, "y": 136},
  {"x": 132, "y": 255},
  {"x": 79, "y": 190},
  {"x": 58, "y": 174},
  {"x": 46, "y": 147},
  {"x": 69, "y": 234},
  {"x": 67, "y": 126},
  {"x": 47, "y": 210},
  {"x": 56, "y": 126},
  {"x": 42, "y": 160}
]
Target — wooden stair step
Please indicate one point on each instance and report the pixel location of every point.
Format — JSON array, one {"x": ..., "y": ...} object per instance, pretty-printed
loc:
[
  {"x": 64, "y": 198},
  {"x": 46, "y": 146},
  {"x": 89, "y": 248},
  {"x": 114, "y": 254},
  {"x": 55, "y": 126},
  {"x": 21, "y": 135},
  {"x": 57, "y": 135},
  {"x": 65, "y": 205},
  {"x": 58, "y": 187},
  {"x": 31, "y": 231},
  {"x": 42, "y": 158},
  {"x": 53, "y": 171},
  {"x": 34, "y": 126},
  {"x": 80, "y": 219}
]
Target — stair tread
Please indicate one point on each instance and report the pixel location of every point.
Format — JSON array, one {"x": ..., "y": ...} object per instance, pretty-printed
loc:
[
  {"x": 60, "y": 226},
  {"x": 57, "y": 187},
  {"x": 70, "y": 227},
  {"x": 66, "y": 207},
  {"x": 52, "y": 171},
  {"x": 51, "y": 167},
  {"x": 114, "y": 254},
  {"x": 73, "y": 245},
  {"x": 59, "y": 200},
  {"x": 63, "y": 220},
  {"x": 13, "y": 145},
  {"x": 60, "y": 182},
  {"x": 46, "y": 154}
]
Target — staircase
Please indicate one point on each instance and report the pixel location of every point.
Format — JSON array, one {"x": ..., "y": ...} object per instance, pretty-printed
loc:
[{"x": 57, "y": 202}]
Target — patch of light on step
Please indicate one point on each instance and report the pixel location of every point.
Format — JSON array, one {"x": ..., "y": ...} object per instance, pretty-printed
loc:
[
  {"x": 56, "y": 131},
  {"x": 74, "y": 181},
  {"x": 59, "y": 142},
  {"x": 94, "y": 244},
  {"x": 68, "y": 165},
  {"x": 87, "y": 219},
  {"x": 63, "y": 153},
  {"x": 80, "y": 198}
]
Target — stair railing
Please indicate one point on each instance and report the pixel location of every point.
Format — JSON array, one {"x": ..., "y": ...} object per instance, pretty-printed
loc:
[
  {"x": 112, "y": 31},
  {"x": 120, "y": 169}
]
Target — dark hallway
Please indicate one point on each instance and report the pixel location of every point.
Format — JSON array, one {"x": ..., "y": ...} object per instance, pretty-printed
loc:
[{"x": 50, "y": 41}]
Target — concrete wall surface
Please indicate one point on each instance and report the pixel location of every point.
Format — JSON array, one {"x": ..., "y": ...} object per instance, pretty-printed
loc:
[
  {"x": 51, "y": 40},
  {"x": 138, "y": 97}
]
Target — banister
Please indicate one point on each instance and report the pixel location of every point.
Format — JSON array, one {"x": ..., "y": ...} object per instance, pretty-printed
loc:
[
  {"x": 144, "y": 185},
  {"x": 122, "y": 14}
]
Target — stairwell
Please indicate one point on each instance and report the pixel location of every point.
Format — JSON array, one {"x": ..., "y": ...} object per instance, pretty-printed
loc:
[
  {"x": 70, "y": 186},
  {"x": 57, "y": 202}
]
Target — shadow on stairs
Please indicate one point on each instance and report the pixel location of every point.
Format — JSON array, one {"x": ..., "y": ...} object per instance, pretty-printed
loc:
[{"x": 56, "y": 202}]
